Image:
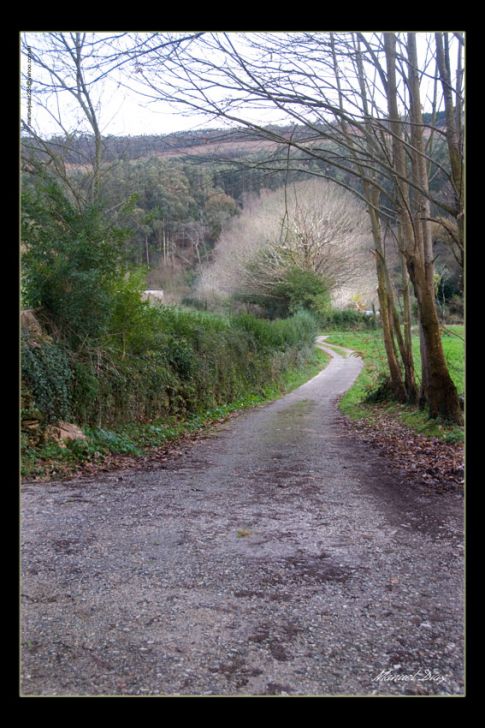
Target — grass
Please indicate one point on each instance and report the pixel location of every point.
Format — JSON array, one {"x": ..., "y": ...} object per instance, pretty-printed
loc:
[
  {"x": 370, "y": 346},
  {"x": 138, "y": 438}
]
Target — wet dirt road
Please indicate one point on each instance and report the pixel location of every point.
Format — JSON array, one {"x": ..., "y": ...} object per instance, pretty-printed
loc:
[{"x": 277, "y": 556}]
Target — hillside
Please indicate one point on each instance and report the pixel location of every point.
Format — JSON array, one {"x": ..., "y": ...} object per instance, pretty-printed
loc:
[
  {"x": 221, "y": 143},
  {"x": 213, "y": 143},
  {"x": 186, "y": 186}
]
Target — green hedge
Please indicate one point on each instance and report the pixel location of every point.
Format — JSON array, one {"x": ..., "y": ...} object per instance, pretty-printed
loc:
[
  {"x": 344, "y": 319},
  {"x": 175, "y": 361},
  {"x": 48, "y": 379}
]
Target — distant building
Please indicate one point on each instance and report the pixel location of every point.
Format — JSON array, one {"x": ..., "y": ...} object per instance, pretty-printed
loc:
[{"x": 153, "y": 295}]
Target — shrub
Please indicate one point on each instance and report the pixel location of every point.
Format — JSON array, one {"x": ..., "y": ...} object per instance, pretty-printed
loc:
[
  {"x": 176, "y": 362},
  {"x": 115, "y": 358},
  {"x": 380, "y": 390},
  {"x": 72, "y": 258},
  {"x": 347, "y": 318},
  {"x": 456, "y": 310},
  {"x": 47, "y": 376},
  {"x": 298, "y": 289},
  {"x": 303, "y": 289}
]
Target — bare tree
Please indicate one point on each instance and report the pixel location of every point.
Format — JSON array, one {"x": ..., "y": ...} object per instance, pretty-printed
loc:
[
  {"x": 438, "y": 390},
  {"x": 63, "y": 64},
  {"x": 454, "y": 110},
  {"x": 355, "y": 102},
  {"x": 371, "y": 140},
  {"x": 311, "y": 226},
  {"x": 72, "y": 66}
]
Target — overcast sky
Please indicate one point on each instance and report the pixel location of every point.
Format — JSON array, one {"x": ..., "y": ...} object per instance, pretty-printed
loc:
[{"x": 121, "y": 111}]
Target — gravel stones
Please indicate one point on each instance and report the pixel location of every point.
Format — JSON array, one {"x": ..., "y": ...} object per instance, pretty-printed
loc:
[{"x": 344, "y": 582}]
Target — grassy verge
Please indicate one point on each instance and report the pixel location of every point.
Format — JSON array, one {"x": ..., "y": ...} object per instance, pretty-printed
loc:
[
  {"x": 370, "y": 346},
  {"x": 137, "y": 440}
]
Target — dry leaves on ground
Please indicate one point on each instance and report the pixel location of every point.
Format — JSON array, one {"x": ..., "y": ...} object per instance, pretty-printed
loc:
[{"x": 422, "y": 459}]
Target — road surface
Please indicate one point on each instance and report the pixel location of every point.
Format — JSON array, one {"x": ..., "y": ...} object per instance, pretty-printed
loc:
[{"x": 276, "y": 556}]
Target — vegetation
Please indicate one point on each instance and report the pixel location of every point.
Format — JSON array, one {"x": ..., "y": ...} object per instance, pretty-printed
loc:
[
  {"x": 371, "y": 388},
  {"x": 102, "y": 220},
  {"x": 347, "y": 318},
  {"x": 169, "y": 361},
  {"x": 172, "y": 210},
  {"x": 97, "y": 354},
  {"x": 137, "y": 439},
  {"x": 360, "y": 97},
  {"x": 291, "y": 248},
  {"x": 73, "y": 263}
]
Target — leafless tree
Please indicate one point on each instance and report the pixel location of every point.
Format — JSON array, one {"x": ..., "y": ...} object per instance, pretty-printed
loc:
[
  {"x": 71, "y": 66},
  {"x": 310, "y": 226},
  {"x": 355, "y": 101},
  {"x": 414, "y": 210},
  {"x": 63, "y": 67}
]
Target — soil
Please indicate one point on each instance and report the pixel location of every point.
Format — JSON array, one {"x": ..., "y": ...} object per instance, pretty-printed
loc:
[{"x": 279, "y": 555}]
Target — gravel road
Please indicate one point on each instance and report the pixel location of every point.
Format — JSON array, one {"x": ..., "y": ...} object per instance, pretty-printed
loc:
[{"x": 276, "y": 556}]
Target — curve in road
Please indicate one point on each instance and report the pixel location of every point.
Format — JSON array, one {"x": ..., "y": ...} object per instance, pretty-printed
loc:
[{"x": 278, "y": 556}]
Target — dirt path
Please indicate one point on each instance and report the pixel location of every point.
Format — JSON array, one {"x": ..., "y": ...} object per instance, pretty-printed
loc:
[{"x": 276, "y": 556}]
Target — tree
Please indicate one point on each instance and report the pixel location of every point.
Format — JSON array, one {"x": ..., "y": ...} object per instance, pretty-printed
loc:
[
  {"x": 354, "y": 100},
  {"x": 72, "y": 262},
  {"x": 310, "y": 236},
  {"x": 454, "y": 113},
  {"x": 64, "y": 64},
  {"x": 438, "y": 390}
]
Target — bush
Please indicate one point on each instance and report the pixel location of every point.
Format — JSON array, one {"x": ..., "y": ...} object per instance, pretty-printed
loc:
[
  {"x": 71, "y": 262},
  {"x": 299, "y": 330},
  {"x": 176, "y": 362},
  {"x": 380, "y": 390},
  {"x": 47, "y": 378},
  {"x": 303, "y": 289},
  {"x": 116, "y": 359},
  {"x": 347, "y": 318},
  {"x": 297, "y": 290},
  {"x": 456, "y": 310}
]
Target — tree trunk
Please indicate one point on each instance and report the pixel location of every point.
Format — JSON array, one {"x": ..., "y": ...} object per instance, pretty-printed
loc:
[
  {"x": 395, "y": 374},
  {"x": 441, "y": 394},
  {"x": 405, "y": 349},
  {"x": 372, "y": 195},
  {"x": 453, "y": 124},
  {"x": 408, "y": 361},
  {"x": 437, "y": 388}
]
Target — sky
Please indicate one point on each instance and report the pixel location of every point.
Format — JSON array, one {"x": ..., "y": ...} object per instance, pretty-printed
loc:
[
  {"x": 124, "y": 113},
  {"x": 121, "y": 111}
]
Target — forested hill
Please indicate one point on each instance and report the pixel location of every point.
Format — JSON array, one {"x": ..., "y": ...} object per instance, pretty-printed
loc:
[
  {"x": 222, "y": 143},
  {"x": 179, "y": 190}
]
